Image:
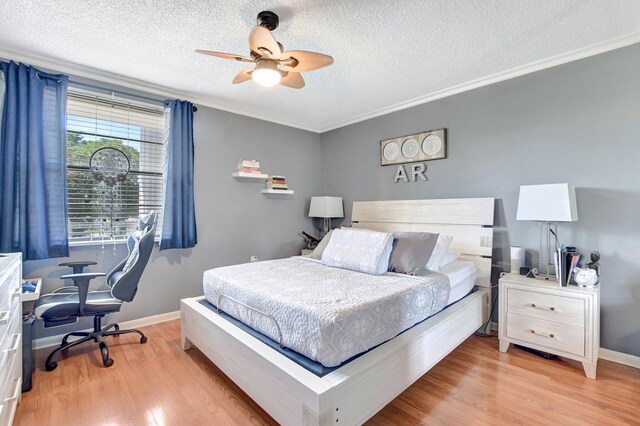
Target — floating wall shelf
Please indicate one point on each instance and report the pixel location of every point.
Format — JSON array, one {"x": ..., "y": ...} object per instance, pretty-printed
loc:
[
  {"x": 250, "y": 176},
  {"x": 278, "y": 191}
]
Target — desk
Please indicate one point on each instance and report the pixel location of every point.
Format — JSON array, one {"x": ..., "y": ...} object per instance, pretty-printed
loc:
[{"x": 29, "y": 296}]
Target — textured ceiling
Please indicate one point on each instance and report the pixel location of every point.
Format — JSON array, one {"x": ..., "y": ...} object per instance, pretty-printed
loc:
[{"x": 386, "y": 52}]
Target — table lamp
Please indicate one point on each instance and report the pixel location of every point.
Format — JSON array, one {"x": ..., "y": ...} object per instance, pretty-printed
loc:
[
  {"x": 326, "y": 208},
  {"x": 547, "y": 204}
]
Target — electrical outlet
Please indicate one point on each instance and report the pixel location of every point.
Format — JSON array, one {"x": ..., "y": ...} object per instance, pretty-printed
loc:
[{"x": 253, "y": 259}]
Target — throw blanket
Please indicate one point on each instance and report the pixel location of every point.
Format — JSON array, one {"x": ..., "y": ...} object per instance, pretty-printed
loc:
[{"x": 327, "y": 314}]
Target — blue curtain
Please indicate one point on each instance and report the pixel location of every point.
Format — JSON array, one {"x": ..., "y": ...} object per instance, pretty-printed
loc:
[
  {"x": 33, "y": 161},
  {"x": 179, "y": 215}
]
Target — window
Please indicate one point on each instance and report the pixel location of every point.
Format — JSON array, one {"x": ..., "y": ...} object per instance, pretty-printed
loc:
[{"x": 101, "y": 208}]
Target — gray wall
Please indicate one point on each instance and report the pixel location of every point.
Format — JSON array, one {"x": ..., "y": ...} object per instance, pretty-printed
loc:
[
  {"x": 234, "y": 219},
  {"x": 576, "y": 123}
]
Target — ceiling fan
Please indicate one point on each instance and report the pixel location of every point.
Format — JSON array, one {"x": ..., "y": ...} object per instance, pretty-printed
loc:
[{"x": 273, "y": 64}]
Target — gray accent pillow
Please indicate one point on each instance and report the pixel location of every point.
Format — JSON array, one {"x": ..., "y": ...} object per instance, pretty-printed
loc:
[
  {"x": 317, "y": 253},
  {"x": 411, "y": 251}
]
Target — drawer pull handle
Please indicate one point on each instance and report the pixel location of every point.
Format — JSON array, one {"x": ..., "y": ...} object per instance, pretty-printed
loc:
[
  {"x": 551, "y": 336},
  {"x": 16, "y": 393},
  {"x": 15, "y": 345},
  {"x": 4, "y": 317},
  {"x": 549, "y": 308}
]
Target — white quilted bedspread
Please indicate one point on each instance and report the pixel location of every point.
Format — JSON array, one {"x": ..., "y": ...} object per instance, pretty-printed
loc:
[{"x": 327, "y": 314}]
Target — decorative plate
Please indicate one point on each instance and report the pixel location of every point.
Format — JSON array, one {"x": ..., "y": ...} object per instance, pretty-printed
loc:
[
  {"x": 431, "y": 145},
  {"x": 391, "y": 151},
  {"x": 410, "y": 148}
]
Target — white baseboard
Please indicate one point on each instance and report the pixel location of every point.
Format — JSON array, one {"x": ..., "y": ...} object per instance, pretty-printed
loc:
[
  {"x": 619, "y": 357},
  {"x": 46, "y": 342}
]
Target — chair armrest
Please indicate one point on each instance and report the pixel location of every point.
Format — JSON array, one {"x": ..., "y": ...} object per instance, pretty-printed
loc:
[
  {"x": 78, "y": 266},
  {"x": 84, "y": 276},
  {"x": 82, "y": 282}
]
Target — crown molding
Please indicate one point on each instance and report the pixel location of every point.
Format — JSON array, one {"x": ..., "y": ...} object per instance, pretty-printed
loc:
[
  {"x": 159, "y": 90},
  {"x": 550, "y": 62},
  {"x": 132, "y": 83}
]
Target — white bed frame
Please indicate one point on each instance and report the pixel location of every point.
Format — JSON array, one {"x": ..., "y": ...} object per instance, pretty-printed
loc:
[{"x": 356, "y": 391}]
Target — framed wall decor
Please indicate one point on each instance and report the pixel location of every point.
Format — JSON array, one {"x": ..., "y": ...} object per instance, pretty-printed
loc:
[{"x": 424, "y": 146}]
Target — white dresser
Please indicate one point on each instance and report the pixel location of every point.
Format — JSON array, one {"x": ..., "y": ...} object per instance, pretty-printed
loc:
[
  {"x": 539, "y": 314},
  {"x": 10, "y": 335}
]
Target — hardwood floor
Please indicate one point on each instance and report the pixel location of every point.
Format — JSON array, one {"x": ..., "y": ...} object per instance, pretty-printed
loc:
[{"x": 160, "y": 384}]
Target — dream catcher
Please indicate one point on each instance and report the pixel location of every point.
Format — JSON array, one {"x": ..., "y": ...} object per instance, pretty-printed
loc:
[{"x": 110, "y": 168}]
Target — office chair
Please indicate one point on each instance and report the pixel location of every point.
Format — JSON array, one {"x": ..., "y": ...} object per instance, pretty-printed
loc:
[{"x": 67, "y": 304}]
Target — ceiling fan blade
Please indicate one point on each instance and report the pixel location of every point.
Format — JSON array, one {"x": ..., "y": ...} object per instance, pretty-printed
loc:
[
  {"x": 261, "y": 41},
  {"x": 307, "y": 61},
  {"x": 293, "y": 80},
  {"x": 243, "y": 76},
  {"x": 225, "y": 55}
]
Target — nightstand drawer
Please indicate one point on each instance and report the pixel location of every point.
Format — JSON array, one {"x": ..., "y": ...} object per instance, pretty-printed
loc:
[
  {"x": 546, "y": 333},
  {"x": 550, "y": 307}
]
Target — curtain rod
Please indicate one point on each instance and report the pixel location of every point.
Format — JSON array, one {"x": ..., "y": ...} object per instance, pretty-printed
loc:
[
  {"x": 126, "y": 94},
  {"x": 41, "y": 75}
]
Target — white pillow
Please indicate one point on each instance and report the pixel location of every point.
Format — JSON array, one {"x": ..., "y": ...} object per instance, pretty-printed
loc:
[
  {"x": 449, "y": 257},
  {"x": 362, "y": 250},
  {"x": 442, "y": 245}
]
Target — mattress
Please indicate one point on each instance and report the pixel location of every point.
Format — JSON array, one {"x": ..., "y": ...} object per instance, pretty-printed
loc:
[
  {"x": 324, "y": 313},
  {"x": 462, "y": 278}
]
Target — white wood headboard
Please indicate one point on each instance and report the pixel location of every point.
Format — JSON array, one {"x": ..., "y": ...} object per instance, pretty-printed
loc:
[{"x": 467, "y": 220}]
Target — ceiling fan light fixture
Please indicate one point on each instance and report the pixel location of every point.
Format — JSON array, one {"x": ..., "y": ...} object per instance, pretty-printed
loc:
[
  {"x": 273, "y": 65},
  {"x": 266, "y": 73}
]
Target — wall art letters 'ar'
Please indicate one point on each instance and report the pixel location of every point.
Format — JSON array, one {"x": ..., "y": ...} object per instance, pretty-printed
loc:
[{"x": 417, "y": 172}]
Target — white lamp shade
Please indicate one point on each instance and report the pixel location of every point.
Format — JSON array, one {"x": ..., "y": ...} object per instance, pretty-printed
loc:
[
  {"x": 326, "y": 207},
  {"x": 547, "y": 203}
]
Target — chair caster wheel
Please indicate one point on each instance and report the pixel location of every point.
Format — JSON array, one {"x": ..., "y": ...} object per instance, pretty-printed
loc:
[
  {"x": 116, "y": 327},
  {"x": 108, "y": 362},
  {"x": 50, "y": 366},
  {"x": 143, "y": 340}
]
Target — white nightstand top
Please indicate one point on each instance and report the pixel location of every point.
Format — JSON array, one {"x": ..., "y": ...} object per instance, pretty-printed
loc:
[{"x": 548, "y": 284}]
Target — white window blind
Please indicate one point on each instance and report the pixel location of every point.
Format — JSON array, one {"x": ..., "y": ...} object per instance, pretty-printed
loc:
[{"x": 99, "y": 211}]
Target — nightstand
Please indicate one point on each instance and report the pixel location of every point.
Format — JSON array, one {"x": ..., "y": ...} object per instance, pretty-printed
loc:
[
  {"x": 305, "y": 252},
  {"x": 539, "y": 314}
]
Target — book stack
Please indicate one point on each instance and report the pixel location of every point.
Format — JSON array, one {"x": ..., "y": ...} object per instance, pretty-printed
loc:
[
  {"x": 566, "y": 260},
  {"x": 277, "y": 183},
  {"x": 249, "y": 166}
]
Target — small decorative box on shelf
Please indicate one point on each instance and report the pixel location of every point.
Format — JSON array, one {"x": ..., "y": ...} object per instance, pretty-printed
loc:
[{"x": 539, "y": 314}]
